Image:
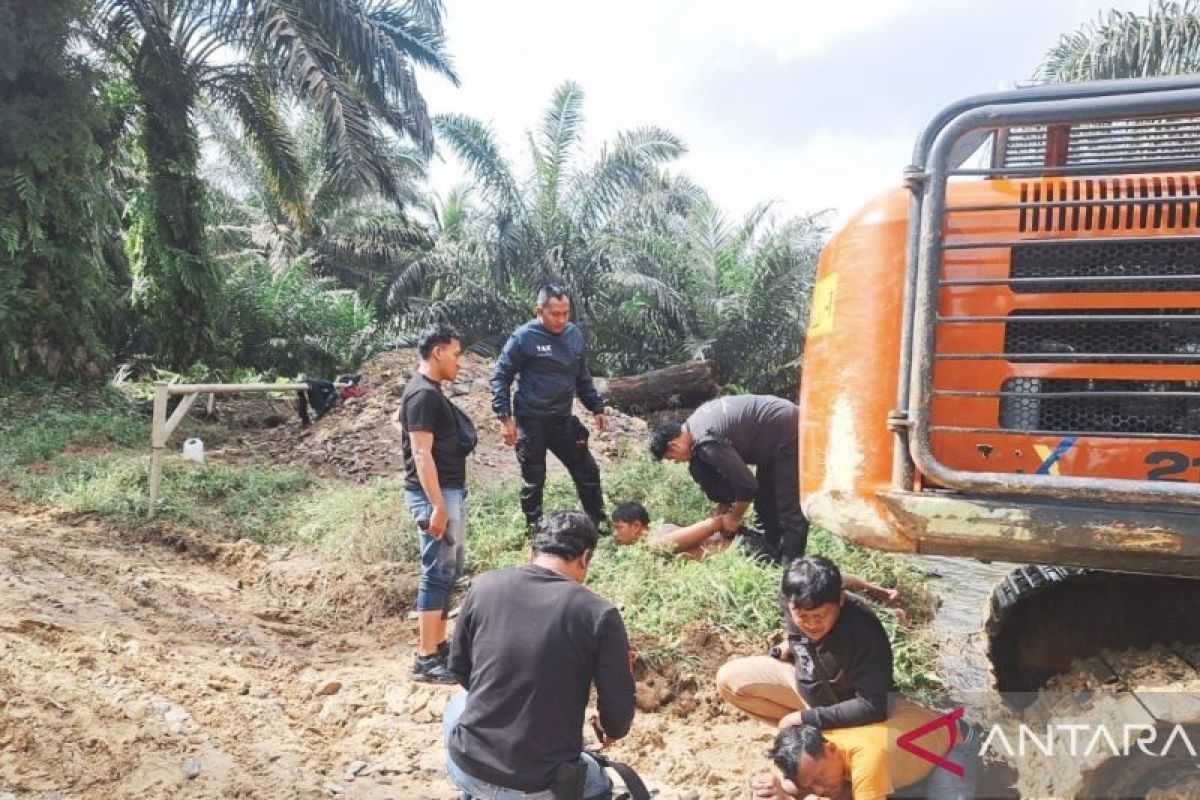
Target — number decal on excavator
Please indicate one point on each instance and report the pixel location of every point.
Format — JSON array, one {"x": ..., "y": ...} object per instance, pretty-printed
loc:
[{"x": 1168, "y": 463}]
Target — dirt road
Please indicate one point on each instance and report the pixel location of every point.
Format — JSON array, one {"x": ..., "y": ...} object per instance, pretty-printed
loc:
[{"x": 165, "y": 664}]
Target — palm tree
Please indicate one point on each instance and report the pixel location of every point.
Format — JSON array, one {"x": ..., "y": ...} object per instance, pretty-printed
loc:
[
  {"x": 738, "y": 290},
  {"x": 1166, "y": 41},
  {"x": 352, "y": 61},
  {"x": 355, "y": 237},
  {"x": 551, "y": 225}
]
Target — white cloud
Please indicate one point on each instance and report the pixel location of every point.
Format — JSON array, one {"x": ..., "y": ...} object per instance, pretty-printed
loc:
[{"x": 639, "y": 63}]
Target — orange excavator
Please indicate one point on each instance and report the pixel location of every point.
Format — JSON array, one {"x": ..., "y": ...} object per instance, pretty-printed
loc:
[{"x": 1003, "y": 363}]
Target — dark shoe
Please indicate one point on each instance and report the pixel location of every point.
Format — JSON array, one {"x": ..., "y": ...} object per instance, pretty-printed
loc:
[
  {"x": 431, "y": 669},
  {"x": 443, "y": 651}
]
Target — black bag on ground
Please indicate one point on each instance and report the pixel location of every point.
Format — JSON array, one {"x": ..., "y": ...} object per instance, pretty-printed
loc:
[{"x": 320, "y": 396}]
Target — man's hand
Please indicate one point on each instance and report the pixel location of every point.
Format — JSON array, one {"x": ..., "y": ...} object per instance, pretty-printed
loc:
[
  {"x": 730, "y": 524},
  {"x": 510, "y": 431},
  {"x": 785, "y": 651},
  {"x": 768, "y": 787},
  {"x": 438, "y": 522},
  {"x": 601, "y": 422},
  {"x": 720, "y": 510},
  {"x": 603, "y": 738}
]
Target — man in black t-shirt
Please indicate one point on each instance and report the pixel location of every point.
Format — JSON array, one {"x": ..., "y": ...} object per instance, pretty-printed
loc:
[
  {"x": 435, "y": 480},
  {"x": 530, "y": 643}
]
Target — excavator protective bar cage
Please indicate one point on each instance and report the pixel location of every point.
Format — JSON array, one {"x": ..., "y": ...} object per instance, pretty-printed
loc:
[{"x": 1065, "y": 138}]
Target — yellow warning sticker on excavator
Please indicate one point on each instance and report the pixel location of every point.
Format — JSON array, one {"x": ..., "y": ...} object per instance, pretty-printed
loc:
[{"x": 820, "y": 320}]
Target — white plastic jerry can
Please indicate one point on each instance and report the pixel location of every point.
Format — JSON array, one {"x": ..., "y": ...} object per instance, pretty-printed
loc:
[{"x": 193, "y": 450}]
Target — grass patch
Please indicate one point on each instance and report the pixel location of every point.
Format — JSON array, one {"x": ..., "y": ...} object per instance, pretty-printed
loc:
[
  {"x": 663, "y": 598},
  {"x": 46, "y": 433},
  {"x": 39, "y": 420}
]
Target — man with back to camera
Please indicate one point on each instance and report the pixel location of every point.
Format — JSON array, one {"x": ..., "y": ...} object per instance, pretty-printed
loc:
[
  {"x": 547, "y": 358},
  {"x": 435, "y": 479},
  {"x": 721, "y": 440},
  {"x": 530, "y": 643}
]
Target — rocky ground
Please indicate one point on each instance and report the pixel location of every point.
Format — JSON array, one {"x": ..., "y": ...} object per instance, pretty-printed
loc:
[{"x": 170, "y": 664}]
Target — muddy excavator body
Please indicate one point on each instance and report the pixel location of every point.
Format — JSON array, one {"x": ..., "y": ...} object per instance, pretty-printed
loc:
[{"x": 1003, "y": 363}]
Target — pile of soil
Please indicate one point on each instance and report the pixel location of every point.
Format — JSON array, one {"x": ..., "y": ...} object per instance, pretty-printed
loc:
[{"x": 356, "y": 440}]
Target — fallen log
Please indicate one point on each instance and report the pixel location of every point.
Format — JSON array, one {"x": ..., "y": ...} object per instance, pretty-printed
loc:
[{"x": 679, "y": 385}]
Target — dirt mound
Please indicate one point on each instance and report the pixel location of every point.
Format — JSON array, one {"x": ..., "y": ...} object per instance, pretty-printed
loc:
[{"x": 356, "y": 441}]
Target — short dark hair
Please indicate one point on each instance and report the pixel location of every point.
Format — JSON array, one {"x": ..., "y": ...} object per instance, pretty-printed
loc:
[
  {"x": 664, "y": 433},
  {"x": 438, "y": 333},
  {"x": 794, "y": 742},
  {"x": 812, "y": 581},
  {"x": 552, "y": 290},
  {"x": 631, "y": 512},
  {"x": 566, "y": 534}
]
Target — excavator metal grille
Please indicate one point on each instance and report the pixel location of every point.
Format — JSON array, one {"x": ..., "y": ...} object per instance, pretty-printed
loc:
[
  {"x": 1132, "y": 142},
  {"x": 1068, "y": 405},
  {"x": 1150, "y": 265},
  {"x": 1174, "y": 340}
]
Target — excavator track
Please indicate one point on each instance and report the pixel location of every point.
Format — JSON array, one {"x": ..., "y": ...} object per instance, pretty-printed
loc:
[
  {"x": 1158, "y": 686},
  {"x": 1041, "y": 620},
  {"x": 1084, "y": 647}
]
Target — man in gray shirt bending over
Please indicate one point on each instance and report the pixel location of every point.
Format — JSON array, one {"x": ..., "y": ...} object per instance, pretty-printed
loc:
[{"x": 721, "y": 440}]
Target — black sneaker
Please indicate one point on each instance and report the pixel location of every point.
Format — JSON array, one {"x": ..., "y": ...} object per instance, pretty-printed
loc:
[{"x": 431, "y": 669}]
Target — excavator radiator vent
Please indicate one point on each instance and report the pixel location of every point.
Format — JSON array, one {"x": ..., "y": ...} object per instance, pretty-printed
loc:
[
  {"x": 1153, "y": 264},
  {"x": 1110, "y": 204}
]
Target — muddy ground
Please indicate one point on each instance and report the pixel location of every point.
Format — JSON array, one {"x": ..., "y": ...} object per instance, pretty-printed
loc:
[{"x": 174, "y": 664}]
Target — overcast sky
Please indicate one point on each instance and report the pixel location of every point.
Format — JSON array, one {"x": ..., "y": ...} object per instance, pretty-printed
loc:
[{"x": 812, "y": 104}]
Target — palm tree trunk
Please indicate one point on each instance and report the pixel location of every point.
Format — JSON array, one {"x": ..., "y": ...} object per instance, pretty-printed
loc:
[{"x": 181, "y": 279}]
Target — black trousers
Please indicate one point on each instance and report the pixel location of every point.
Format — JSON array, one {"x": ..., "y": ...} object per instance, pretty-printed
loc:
[
  {"x": 567, "y": 439},
  {"x": 776, "y": 503}
]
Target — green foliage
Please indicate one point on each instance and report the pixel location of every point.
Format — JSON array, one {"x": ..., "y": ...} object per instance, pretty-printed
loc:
[
  {"x": 550, "y": 226},
  {"x": 351, "y": 63},
  {"x": 290, "y": 322},
  {"x": 1125, "y": 44},
  {"x": 58, "y": 291},
  {"x": 658, "y": 275},
  {"x": 39, "y": 420}
]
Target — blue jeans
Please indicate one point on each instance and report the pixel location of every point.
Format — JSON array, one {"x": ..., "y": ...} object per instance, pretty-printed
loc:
[
  {"x": 945, "y": 785},
  {"x": 596, "y": 785},
  {"x": 941, "y": 784},
  {"x": 441, "y": 564}
]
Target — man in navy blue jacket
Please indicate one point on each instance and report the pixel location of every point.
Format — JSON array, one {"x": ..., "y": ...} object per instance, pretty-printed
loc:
[{"x": 547, "y": 359}]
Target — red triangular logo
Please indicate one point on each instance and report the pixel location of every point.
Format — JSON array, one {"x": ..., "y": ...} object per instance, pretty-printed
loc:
[{"x": 907, "y": 741}]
